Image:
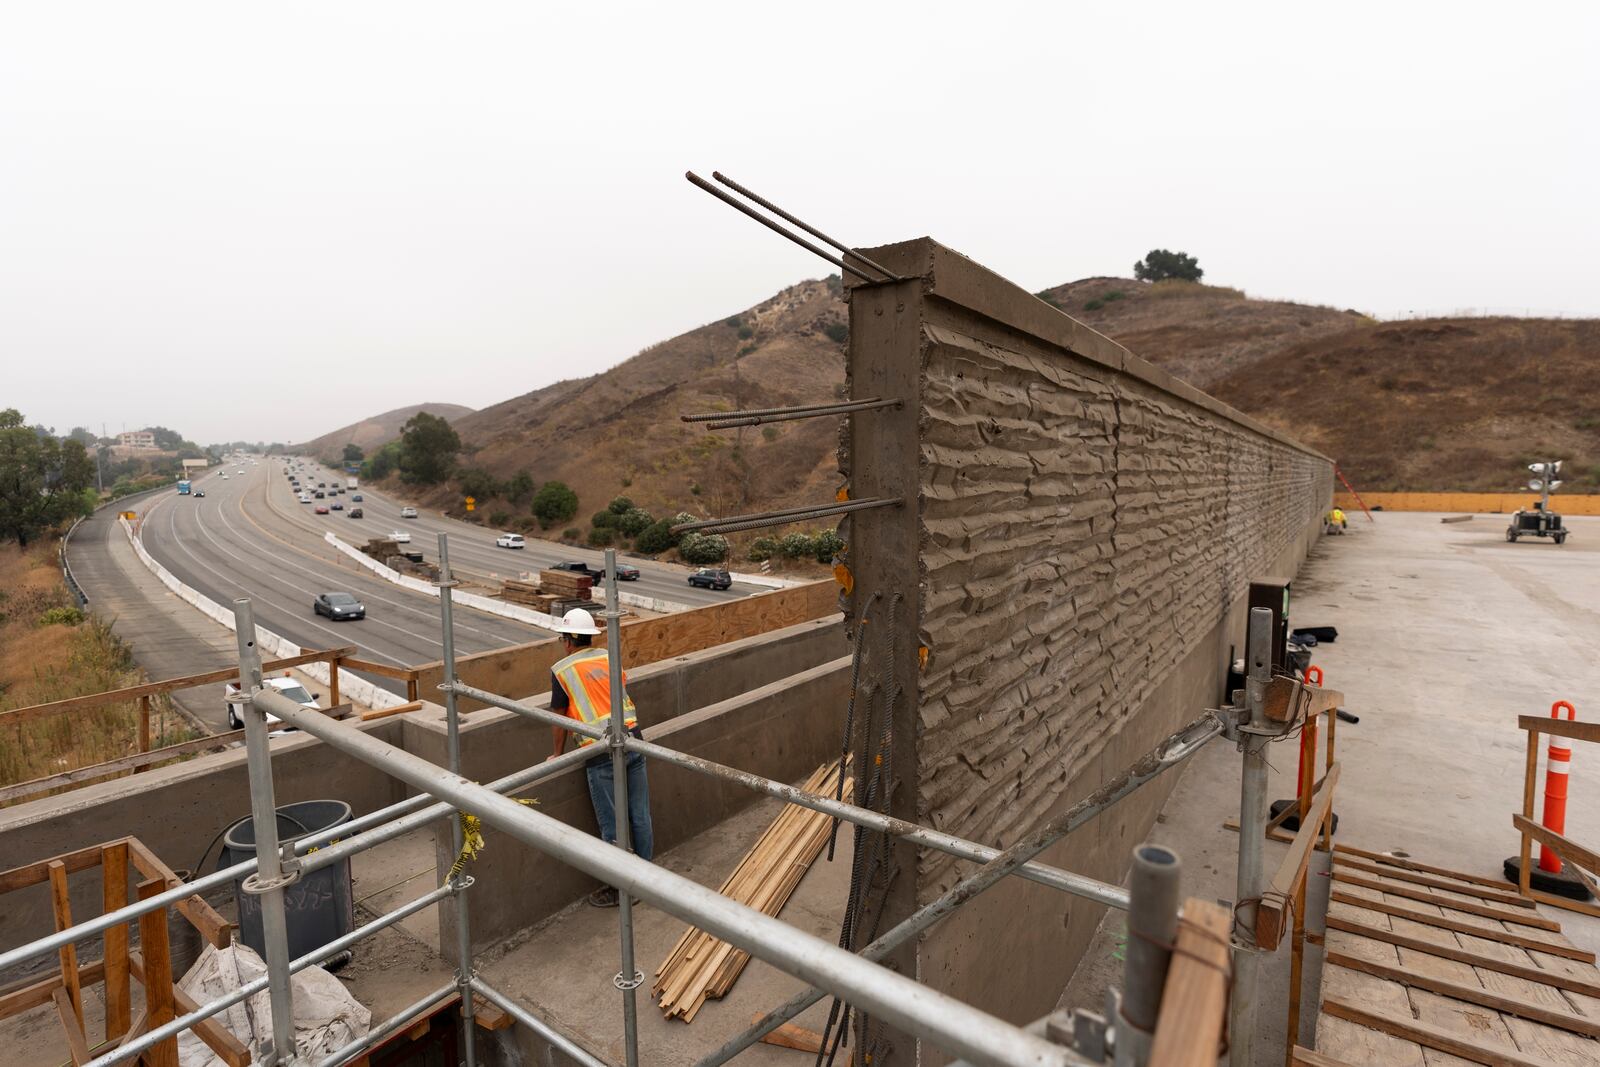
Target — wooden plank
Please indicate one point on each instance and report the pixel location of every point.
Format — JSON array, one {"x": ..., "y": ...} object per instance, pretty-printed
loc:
[
  {"x": 72, "y": 1026},
  {"x": 61, "y": 905},
  {"x": 117, "y": 766},
  {"x": 1461, "y": 955},
  {"x": 28, "y": 997},
  {"x": 1579, "y": 906},
  {"x": 154, "y": 954},
  {"x": 1412, "y": 865},
  {"x": 1498, "y": 896},
  {"x": 487, "y": 1016},
  {"x": 211, "y": 1031},
  {"x": 1273, "y": 910},
  {"x": 1521, "y": 917},
  {"x": 1444, "y": 922},
  {"x": 1569, "y": 851},
  {"x": 1471, "y": 994},
  {"x": 35, "y": 873},
  {"x": 1304, "y": 1057},
  {"x": 114, "y": 895},
  {"x": 367, "y": 666},
  {"x": 1433, "y": 1037},
  {"x": 1578, "y": 731},
  {"x": 1194, "y": 1001},
  {"x": 167, "y": 685},
  {"x": 791, "y": 1036},
  {"x": 213, "y": 927},
  {"x": 384, "y": 713}
]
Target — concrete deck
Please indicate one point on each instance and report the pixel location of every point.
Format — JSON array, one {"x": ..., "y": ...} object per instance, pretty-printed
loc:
[{"x": 1446, "y": 634}]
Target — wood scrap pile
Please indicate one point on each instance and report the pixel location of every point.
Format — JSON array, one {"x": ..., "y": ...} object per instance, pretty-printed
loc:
[
  {"x": 699, "y": 965},
  {"x": 528, "y": 593}
]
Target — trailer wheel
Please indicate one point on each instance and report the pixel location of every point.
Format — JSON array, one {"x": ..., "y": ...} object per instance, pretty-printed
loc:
[
  {"x": 1511, "y": 535},
  {"x": 1561, "y": 538}
]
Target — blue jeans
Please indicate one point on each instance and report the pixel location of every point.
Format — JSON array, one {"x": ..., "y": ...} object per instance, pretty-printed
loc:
[{"x": 602, "y": 785}]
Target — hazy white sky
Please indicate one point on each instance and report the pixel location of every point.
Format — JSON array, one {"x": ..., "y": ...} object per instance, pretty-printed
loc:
[{"x": 264, "y": 221}]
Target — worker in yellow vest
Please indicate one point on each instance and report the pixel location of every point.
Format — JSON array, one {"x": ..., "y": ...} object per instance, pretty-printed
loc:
[
  {"x": 580, "y": 687},
  {"x": 1336, "y": 521}
]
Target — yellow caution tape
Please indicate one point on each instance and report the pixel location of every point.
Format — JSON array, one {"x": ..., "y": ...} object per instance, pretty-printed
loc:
[{"x": 472, "y": 841}]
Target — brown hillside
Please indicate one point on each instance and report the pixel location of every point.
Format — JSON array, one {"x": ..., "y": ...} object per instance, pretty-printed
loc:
[
  {"x": 619, "y": 431},
  {"x": 372, "y": 432},
  {"x": 1201, "y": 333},
  {"x": 1438, "y": 404}
]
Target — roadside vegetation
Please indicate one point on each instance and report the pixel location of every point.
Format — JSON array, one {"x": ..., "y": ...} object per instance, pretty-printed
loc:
[{"x": 49, "y": 650}]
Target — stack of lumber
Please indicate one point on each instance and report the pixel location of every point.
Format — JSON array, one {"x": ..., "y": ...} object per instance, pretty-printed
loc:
[
  {"x": 700, "y": 966},
  {"x": 381, "y": 548},
  {"x": 564, "y": 585},
  {"x": 527, "y": 593}
]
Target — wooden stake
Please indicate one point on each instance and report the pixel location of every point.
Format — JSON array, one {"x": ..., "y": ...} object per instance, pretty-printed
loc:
[
  {"x": 61, "y": 903},
  {"x": 155, "y": 954},
  {"x": 114, "y": 870}
]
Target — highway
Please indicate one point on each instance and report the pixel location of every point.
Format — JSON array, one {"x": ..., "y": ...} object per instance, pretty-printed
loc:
[
  {"x": 230, "y": 544},
  {"x": 472, "y": 548}
]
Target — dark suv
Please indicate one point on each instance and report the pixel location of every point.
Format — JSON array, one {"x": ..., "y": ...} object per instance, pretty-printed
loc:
[{"x": 711, "y": 578}]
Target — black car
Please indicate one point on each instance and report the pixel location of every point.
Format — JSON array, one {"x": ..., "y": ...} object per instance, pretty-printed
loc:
[
  {"x": 199, "y": 492},
  {"x": 711, "y": 578},
  {"x": 337, "y": 506},
  {"x": 339, "y": 606},
  {"x": 626, "y": 573},
  {"x": 321, "y": 495},
  {"x": 353, "y": 513}
]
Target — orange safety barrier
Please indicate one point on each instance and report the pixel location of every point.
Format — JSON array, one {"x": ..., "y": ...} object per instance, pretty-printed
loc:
[{"x": 1555, "y": 788}]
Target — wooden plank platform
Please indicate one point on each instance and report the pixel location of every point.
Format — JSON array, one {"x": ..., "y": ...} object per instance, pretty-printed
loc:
[{"x": 1426, "y": 968}]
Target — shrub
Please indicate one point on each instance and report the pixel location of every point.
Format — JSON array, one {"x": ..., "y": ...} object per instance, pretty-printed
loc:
[
  {"x": 627, "y": 480},
  {"x": 834, "y": 282},
  {"x": 602, "y": 520},
  {"x": 554, "y": 502},
  {"x": 479, "y": 483},
  {"x": 837, "y": 332},
  {"x": 746, "y": 350},
  {"x": 702, "y": 549},
  {"x": 1115, "y": 294},
  {"x": 731, "y": 320},
  {"x": 745, "y": 333},
  {"x": 634, "y": 521},
  {"x": 796, "y": 546},
  {"x": 1094, "y": 305},
  {"x": 61, "y": 617},
  {"x": 620, "y": 505},
  {"x": 520, "y": 487},
  {"x": 571, "y": 533},
  {"x": 499, "y": 518},
  {"x": 694, "y": 488},
  {"x": 600, "y": 536},
  {"x": 762, "y": 548},
  {"x": 657, "y": 537},
  {"x": 769, "y": 433},
  {"x": 828, "y": 544}
]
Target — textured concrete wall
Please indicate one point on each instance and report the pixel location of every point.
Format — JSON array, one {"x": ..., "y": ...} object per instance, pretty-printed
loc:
[{"x": 1079, "y": 530}]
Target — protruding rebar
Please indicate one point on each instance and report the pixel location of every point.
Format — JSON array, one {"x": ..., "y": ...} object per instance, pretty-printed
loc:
[
  {"x": 774, "y": 227},
  {"x": 731, "y": 419},
  {"x": 812, "y": 230},
  {"x": 781, "y": 518}
]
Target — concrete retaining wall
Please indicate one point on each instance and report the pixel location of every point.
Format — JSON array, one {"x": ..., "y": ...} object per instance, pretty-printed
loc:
[
  {"x": 177, "y": 809},
  {"x": 1078, "y": 535}
]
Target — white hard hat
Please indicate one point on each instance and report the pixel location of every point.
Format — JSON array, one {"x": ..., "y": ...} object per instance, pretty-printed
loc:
[{"x": 577, "y": 621}]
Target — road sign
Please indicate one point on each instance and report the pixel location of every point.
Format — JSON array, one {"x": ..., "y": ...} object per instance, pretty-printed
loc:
[{"x": 471, "y": 502}]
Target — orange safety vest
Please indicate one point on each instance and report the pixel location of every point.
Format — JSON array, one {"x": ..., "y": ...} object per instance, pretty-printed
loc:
[{"x": 586, "y": 676}]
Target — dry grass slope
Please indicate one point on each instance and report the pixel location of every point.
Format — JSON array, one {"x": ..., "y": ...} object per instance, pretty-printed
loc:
[
  {"x": 44, "y": 661},
  {"x": 371, "y": 432}
]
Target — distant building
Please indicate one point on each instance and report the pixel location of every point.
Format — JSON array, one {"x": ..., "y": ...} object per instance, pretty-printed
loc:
[{"x": 136, "y": 439}]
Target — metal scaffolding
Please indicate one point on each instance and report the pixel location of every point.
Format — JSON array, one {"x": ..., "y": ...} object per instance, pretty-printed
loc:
[{"x": 857, "y": 978}]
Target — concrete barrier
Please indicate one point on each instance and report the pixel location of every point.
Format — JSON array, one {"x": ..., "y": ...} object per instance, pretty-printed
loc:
[{"x": 352, "y": 686}]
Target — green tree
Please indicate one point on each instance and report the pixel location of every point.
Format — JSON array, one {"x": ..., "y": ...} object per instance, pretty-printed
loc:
[
  {"x": 633, "y": 521},
  {"x": 827, "y": 545},
  {"x": 603, "y": 520},
  {"x": 702, "y": 549},
  {"x": 382, "y": 463},
  {"x": 428, "y": 447},
  {"x": 354, "y": 453},
  {"x": 42, "y": 481},
  {"x": 520, "y": 489},
  {"x": 620, "y": 505},
  {"x": 479, "y": 483},
  {"x": 656, "y": 538},
  {"x": 555, "y": 502},
  {"x": 1159, "y": 265},
  {"x": 84, "y": 436}
]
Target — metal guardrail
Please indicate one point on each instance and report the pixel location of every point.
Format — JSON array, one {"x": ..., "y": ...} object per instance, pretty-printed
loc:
[{"x": 66, "y": 568}]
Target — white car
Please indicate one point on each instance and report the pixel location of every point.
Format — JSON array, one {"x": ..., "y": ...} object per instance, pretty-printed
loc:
[
  {"x": 408, "y": 512},
  {"x": 400, "y": 537},
  {"x": 305, "y": 498},
  {"x": 510, "y": 541},
  {"x": 224, "y": 475},
  {"x": 287, "y": 686}
]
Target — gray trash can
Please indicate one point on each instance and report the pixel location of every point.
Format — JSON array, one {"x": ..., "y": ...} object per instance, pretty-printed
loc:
[{"x": 320, "y": 907}]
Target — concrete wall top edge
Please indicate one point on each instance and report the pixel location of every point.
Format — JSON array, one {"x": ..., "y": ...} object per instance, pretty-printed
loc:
[{"x": 948, "y": 275}]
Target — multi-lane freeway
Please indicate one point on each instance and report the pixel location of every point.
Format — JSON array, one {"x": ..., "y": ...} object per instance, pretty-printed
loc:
[{"x": 249, "y": 536}]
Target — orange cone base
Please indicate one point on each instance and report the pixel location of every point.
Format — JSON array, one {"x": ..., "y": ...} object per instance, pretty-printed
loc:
[{"x": 1566, "y": 884}]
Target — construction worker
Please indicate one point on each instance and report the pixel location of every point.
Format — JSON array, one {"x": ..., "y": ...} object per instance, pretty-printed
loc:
[
  {"x": 1336, "y": 521},
  {"x": 580, "y": 687}
]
